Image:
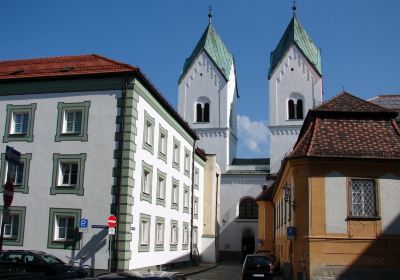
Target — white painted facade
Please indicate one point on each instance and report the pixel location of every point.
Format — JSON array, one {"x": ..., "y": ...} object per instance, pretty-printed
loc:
[
  {"x": 204, "y": 83},
  {"x": 294, "y": 78},
  {"x": 336, "y": 203}
]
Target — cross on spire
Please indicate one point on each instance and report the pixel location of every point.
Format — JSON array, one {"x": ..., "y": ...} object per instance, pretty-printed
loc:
[
  {"x": 209, "y": 14},
  {"x": 294, "y": 8}
]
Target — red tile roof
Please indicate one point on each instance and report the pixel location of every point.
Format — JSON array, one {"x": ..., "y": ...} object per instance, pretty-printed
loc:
[
  {"x": 60, "y": 66},
  {"x": 349, "y": 127}
]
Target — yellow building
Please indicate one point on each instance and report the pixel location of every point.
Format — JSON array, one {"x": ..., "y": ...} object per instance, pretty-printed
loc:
[{"x": 337, "y": 195}]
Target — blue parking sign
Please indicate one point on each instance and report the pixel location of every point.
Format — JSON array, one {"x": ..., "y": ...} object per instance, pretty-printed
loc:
[
  {"x": 83, "y": 223},
  {"x": 291, "y": 233}
]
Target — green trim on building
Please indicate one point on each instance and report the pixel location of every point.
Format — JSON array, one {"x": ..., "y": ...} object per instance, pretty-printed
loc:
[
  {"x": 186, "y": 208},
  {"x": 174, "y": 247},
  {"x": 175, "y": 184},
  {"x": 295, "y": 34},
  {"x": 62, "y": 107},
  {"x": 162, "y": 155},
  {"x": 186, "y": 163},
  {"x": 28, "y": 137},
  {"x": 199, "y": 160},
  {"x": 73, "y": 158},
  {"x": 67, "y": 212},
  {"x": 185, "y": 246},
  {"x": 176, "y": 156},
  {"x": 212, "y": 44},
  {"x": 24, "y": 187},
  {"x": 149, "y": 98},
  {"x": 148, "y": 136},
  {"x": 159, "y": 247},
  {"x": 143, "y": 194},
  {"x": 163, "y": 176},
  {"x": 19, "y": 240},
  {"x": 144, "y": 218}
]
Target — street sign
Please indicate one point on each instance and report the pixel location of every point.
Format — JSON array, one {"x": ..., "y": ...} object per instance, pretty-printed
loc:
[
  {"x": 291, "y": 233},
  {"x": 8, "y": 194},
  {"x": 83, "y": 225},
  {"x": 111, "y": 231},
  {"x": 112, "y": 221},
  {"x": 12, "y": 155},
  {"x": 99, "y": 226}
]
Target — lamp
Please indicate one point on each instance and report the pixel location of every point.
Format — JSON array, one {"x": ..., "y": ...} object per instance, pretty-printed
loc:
[
  {"x": 288, "y": 194},
  {"x": 223, "y": 222}
]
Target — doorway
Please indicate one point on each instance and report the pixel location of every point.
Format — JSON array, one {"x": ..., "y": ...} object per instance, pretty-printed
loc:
[{"x": 248, "y": 243}]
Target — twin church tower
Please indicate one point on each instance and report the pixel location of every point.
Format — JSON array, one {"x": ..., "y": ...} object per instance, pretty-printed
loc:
[{"x": 208, "y": 92}]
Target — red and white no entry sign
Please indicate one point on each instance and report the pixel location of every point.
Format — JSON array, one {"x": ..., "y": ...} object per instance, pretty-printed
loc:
[{"x": 112, "y": 221}]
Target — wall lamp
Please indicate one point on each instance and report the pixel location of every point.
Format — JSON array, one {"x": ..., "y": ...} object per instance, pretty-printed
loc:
[{"x": 288, "y": 195}]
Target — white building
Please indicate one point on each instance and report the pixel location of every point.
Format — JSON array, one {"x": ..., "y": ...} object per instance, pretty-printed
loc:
[{"x": 97, "y": 139}]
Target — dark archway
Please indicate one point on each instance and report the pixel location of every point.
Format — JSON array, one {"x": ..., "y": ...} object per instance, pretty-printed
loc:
[{"x": 248, "y": 243}]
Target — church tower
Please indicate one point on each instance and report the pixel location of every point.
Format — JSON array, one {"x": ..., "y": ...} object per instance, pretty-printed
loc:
[
  {"x": 295, "y": 86},
  {"x": 208, "y": 94}
]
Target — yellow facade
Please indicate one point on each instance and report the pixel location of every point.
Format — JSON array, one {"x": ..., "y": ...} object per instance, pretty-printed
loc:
[{"x": 363, "y": 249}]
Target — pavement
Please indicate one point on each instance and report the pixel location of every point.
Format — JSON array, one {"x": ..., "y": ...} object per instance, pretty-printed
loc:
[{"x": 193, "y": 269}]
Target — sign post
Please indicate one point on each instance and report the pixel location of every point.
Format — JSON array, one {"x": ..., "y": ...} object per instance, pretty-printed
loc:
[
  {"x": 13, "y": 157},
  {"x": 112, "y": 223}
]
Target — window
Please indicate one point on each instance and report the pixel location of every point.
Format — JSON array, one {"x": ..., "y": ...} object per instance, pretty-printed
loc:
[
  {"x": 174, "y": 235},
  {"x": 72, "y": 121},
  {"x": 203, "y": 110},
  {"x": 176, "y": 156},
  {"x": 195, "y": 235},
  {"x": 144, "y": 233},
  {"x": 68, "y": 174},
  {"x": 185, "y": 236},
  {"x": 159, "y": 242},
  {"x": 295, "y": 109},
  {"x": 187, "y": 162},
  {"x": 363, "y": 198},
  {"x": 163, "y": 144},
  {"x": 21, "y": 173},
  {"x": 161, "y": 188},
  {"x": 248, "y": 209},
  {"x": 19, "y": 123},
  {"x": 196, "y": 207},
  {"x": 148, "y": 133},
  {"x": 196, "y": 178},
  {"x": 186, "y": 199},
  {"x": 63, "y": 225},
  {"x": 14, "y": 226},
  {"x": 147, "y": 174},
  {"x": 175, "y": 194}
]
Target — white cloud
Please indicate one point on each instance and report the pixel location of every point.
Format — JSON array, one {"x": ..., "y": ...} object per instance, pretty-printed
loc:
[{"x": 253, "y": 135}]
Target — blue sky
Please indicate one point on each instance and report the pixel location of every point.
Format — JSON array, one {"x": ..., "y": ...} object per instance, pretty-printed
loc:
[{"x": 359, "y": 41}]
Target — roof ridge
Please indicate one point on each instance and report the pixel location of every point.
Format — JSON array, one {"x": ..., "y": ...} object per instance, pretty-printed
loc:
[
  {"x": 314, "y": 128},
  {"x": 45, "y": 58},
  {"x": 115, "y": 61}
]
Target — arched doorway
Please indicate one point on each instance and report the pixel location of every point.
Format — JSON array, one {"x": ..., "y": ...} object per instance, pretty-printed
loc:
[{"x": 248, "y": 243}]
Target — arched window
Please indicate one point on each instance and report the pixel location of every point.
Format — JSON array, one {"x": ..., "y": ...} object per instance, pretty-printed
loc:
[
  {"x": 295, "y": 109},
  {"x": 202, "y": 110},
  {"x": 248, "y": 209}
]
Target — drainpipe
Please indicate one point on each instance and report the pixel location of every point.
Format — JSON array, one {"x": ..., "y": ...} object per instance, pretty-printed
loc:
[
  {"x": 114, "y": 254},
  {"x": 192, "y": 206}
]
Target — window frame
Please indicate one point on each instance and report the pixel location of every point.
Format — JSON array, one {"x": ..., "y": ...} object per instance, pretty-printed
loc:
[
  {"x": 196, "y": 178},
  {"x": 67, "y": 244},
  {"x": 146, "y": 196},
  {"x": 186, "y": 198},
  {"x": 159, "y": 246},
  {"x": 80, "y": 159},
  {"x": 11, "y": 109},
  {"x": 186, "y": 163},
  {"x": 21, "y": 212},
  {"x": 148, "y": 132},
  {"x": 350, "y": 215},
  {"x": 252, "y": 208},
  {"x": 141, "y": 246},
  {"x": 72, "y": 107},
  {"x": 162, "y": 146},
  {"x": 24, "y": 187},
  {"x": 195, "y": 207},
  {"x": 159, "y": 200},
  {"x": 176, "y": 149},
  {"x": 175, "y": 194},
  {"x": 173, "y": 244},
  {"x": 185, "y": 236}
]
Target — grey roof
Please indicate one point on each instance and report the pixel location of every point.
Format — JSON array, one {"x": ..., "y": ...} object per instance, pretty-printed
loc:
[{"x": 250, "y": 161}]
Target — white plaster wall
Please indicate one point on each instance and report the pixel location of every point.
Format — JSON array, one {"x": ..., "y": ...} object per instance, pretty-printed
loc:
[
  {"x": 233, "y": 188},
  {"x": 200, "y": 194},
  {"x": 95, "y": 203},
  {"x": 208, "y": 253},
  {"x": 215, "y": 141},
  {"x": 335, "y": 203},
  {"x": 282, "y": 140},
  {"x": 151, "y": 258},
  {"x": 389, "y": 186}
]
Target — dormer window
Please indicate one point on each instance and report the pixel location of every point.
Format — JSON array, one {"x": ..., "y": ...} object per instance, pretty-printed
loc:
[
  {"x": 295, "y": 109},
  {"x": 203, "y": 110}
]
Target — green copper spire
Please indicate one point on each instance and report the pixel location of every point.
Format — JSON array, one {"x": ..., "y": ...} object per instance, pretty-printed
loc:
[
  {"x": 295, "y": 34},
  {"x": 211, "y": 43}
]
